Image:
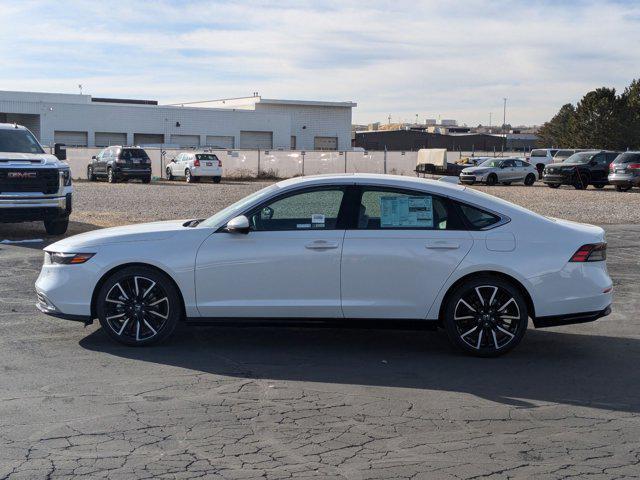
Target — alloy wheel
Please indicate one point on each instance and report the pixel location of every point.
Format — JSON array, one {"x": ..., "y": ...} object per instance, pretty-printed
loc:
[
  {"x": 136, "y": 308},
  {"x": 487, "y": 318}
]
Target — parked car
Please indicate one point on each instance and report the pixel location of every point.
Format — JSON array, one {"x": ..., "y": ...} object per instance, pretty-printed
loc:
[
  {"x": 581, "y": 170},
  {"x": 120, "y": 163},
  {"x": 338, "y": 247},
  {"x": 195, "y": 165},
  {"x": 625, "y": 171},
  {"x": 34, "y": 185},
  {"x": 503, "y": 170},
  {"x": 540, "y": 157},
  {"x": 562, "y": 155}
]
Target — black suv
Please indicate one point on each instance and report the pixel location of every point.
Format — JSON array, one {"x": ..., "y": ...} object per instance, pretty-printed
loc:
[
  {"x": 120, "y": 163},
  {"x": 580, "y": 170}
]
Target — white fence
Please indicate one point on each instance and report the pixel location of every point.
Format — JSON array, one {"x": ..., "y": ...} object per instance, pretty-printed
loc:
[{"x": 282, "y": 164}]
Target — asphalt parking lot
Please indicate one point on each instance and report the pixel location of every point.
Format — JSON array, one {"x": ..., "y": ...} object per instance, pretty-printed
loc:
[{"x": 265, "y": 402}]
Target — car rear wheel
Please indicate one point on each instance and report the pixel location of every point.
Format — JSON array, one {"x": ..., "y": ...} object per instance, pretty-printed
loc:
[
  {"x": 540, "y": 168},
  {"x": 486, "y": 316},
  {"x": 90, "y": 176},
  {"x": 553, "y": 185},
  {"x": 138, "y": 306},
  {"x": 599, "y": 185},
  {"x": 492, "y": 179},
  {"x": 169, "y": 174},
  {"x": 623, "y": 188},
  {"x": 530, "y": 179},
  {"x": 146, "y": 179},
  {"x": 111, "y": 177},
  {"x": 217, "y": 179},
  {"x": 581, "y": 182},
  {"x": 187, "y": 176}
]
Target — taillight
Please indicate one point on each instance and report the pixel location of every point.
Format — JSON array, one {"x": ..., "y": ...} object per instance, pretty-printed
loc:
[
  {"x": 220, "y": 163},
  {"x": 611, "y": 167},
  {"x": 592, "y": 252},
  {"x": 196, "y": 163},
  {"x": 634, "y": 166}
]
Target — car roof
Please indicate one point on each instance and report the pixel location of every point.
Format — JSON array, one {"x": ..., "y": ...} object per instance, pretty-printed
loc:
[{"x": 12, "y": 126}]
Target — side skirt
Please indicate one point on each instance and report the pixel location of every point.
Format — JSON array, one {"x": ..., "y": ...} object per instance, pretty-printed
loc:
[{"x": 356, "y": 323}]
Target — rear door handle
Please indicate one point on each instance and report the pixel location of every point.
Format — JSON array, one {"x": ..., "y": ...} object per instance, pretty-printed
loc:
[
  {"x": 321, "y": 245},
  {"x": 442, "y": 245}
]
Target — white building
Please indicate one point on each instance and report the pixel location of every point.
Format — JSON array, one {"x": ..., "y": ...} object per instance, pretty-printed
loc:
[{"x": 248, "y": 122}]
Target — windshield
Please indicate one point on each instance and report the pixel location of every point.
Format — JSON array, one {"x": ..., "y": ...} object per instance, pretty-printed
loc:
[
  {"x": 627, "y": 158},
  {"x": 491, "y": 163},
  {"x": 582, "y": 157},
  {"x": 538, "y": 153},
  {"x": 18, "y": 141},
  {"x": 237, "y": 207}
]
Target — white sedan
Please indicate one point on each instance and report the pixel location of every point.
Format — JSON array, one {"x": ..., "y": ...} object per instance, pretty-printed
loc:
[{"x": 340, "y": 247}]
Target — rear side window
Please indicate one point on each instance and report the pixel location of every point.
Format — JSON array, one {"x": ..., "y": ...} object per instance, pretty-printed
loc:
[
  {"x": 627, "y": 158},
  {"x": 382, "y": 209},
  {"x": 130, "y": 153},
  {"x": 207, "y": 156},
  {"x": 538, "y": 153},
  {"x": 477, "y": 218}
]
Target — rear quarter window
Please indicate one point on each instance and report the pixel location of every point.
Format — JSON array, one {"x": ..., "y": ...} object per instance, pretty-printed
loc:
[{"x": 476, "y": 218}]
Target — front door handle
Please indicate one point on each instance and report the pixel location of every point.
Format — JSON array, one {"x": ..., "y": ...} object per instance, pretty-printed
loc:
[
  {"x": 321, "y": 245},
  {"x": 442, "y": 245}
]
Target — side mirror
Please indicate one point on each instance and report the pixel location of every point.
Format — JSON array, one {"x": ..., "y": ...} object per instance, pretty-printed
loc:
[
  {"x": 239, "y": 224},
  {"x": 60, "y": 151}
]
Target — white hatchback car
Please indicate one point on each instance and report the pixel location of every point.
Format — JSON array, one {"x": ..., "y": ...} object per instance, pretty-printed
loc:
[
  {"x": 361, "y": 247},
  {"x": 193, "y": 166}
]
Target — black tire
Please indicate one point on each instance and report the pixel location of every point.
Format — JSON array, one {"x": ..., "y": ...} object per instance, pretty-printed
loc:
[
  {"x": 131, "y": 320},
  {"x": 530, "y": 179},
  {"x": 506, "y": 183},
  {"x": 489, "y": 328},
  {"x": 187, "y": 176},
  {"x": 553, "y": 185},
  {"x": 56, "y": 226},
  {"x": 599, "y": 185},
  {"x": 217, "y": 179},
  {"x": 111, "y": 177},
  {"x": 581, "y": 183},
  {"x": 492, "y": 179},
  {"x": 623, "y": 188},
  {"x": 169, "y": 174},
  {"x": 90, "y": 175},
  {"x": 146, "y": 180}
]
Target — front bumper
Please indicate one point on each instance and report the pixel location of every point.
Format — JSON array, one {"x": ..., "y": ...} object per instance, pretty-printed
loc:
[
  {"x": 66, "y": 290},
  {"x": 47, "y": 307},
  {"x": 558, "y": 179},
  {"x": 24, "y": 208}
]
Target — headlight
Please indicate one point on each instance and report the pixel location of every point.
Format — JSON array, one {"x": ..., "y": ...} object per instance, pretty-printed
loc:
[
  {"x": 69, "y": 258},
  {"x": 66, "y": 175}
]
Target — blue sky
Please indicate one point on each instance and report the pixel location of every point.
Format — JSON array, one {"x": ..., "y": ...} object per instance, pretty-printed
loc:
[{"x": 449, "y": 59}]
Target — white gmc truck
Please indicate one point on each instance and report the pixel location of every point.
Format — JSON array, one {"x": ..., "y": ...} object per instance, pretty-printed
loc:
[{"x": 34, "y": 185}]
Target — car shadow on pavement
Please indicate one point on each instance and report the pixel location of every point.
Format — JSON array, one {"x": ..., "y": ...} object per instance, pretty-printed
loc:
[
  {"x": 26, "y": 233},
  {"x": 548, "y": 367}
]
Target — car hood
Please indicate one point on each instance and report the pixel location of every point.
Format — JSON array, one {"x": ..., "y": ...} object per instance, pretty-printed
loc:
[
  {"x": 45, "y": 158},
  {"x": 142, "y": 232},
  {"x": 476, "y": 170}
]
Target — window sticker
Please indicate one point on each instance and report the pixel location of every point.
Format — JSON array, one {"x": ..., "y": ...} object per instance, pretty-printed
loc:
[
  {"x": 303, "y": 225},
  {"x": 317, "y": 218},
  {"x": 406, "y": 211}
]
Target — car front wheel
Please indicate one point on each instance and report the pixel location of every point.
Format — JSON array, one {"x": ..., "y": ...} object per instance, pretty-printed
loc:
[
  {"x": 486, "y": 316},
  {"x": 530, "y": 179},
  {"x": 492, "y": 179},
  {"x": 138, "y": 306}
]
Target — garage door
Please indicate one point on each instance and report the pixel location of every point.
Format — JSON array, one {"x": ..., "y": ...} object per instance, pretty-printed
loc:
[
  {"x": 148, "y": 139},
  {"x": 106, "y": 139},
  {"x": 185, "y": 141},
  {"x": 256, "y": 140},
  {"x": 325, "y": 143},
  {"x": 220, "y": 141},
  {"x": 70, "y": 139}
]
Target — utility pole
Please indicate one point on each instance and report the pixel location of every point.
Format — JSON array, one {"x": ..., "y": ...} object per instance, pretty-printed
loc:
[
  {"x": 504, "y": 114},
  {"x": 389, "y": 119},
  {"x": 416, "y": 118},
  {"x": 490, "y": 113}
]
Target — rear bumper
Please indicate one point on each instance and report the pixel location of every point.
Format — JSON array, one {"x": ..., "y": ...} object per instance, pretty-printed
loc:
[
  {"x": 626, "y": 180},
  {"x": 569, "y": 319},
  {"x": 132, "y": 172},
  {"x": 205, "y": 172}
]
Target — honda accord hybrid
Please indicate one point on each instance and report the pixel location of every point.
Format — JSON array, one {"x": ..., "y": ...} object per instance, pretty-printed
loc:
[{"x": 343, "y": 248}]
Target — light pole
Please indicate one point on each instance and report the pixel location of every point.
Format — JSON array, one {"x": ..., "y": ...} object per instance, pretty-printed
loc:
[
  {"x": 504, "y": 114},
  {"x": 490, "y": 113}
]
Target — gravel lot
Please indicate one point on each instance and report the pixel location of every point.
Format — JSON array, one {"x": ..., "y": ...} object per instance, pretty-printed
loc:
[{"x": 100, "y": 204}]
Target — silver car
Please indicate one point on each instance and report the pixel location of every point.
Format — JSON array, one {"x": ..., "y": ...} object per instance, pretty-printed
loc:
[
  {"x": 625, "y": 171},
  {"x": 503, "y": 170}
]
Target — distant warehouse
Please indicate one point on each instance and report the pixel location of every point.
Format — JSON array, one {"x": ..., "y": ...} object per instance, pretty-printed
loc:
[
  {"x": 245, "y": 122},
  {"x": 411, "y": 140}
]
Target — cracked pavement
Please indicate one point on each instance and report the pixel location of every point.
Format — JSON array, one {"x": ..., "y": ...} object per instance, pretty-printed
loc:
[{"x": 267, "y": 402}]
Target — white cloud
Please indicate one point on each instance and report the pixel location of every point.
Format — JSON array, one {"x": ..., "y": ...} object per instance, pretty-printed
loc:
[{"x": 431, "y": 58}]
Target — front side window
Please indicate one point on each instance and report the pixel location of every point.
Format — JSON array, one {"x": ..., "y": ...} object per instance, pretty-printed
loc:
[
  {"x": 307, "y": 210},
  {"x": 18, "y": 141},
  {"x": 508, "y": 163},
  {"x": 382, "y": 209}
]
